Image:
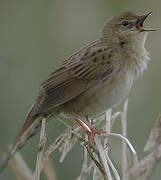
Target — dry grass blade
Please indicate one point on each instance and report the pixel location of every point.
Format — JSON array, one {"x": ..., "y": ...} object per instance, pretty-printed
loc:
[
  {"x": 97, "y": 175},
  {"x": 108, "y": 120},
  {"x": 40, "y": 156},
  {"x": 54, "y": 145},
  {"x": 155, "y": 136},
  {"x": 114, "y": 117},
  {"x": 102, "y": 158},
  {"x": 103, "y": 166},
  {"x": 135, "y": 158},
  {"x": 144, "y": 169},
  {"x": 116, "y": 174},
  {"x": 20, "y": 168},
  {"x": 124, "y": 147},
  {"x": 84, "y": 165},
  {"x": 95, "y": 160},
  {"x": 49, "y": 171},
  {"x": 67, "y": 145}
]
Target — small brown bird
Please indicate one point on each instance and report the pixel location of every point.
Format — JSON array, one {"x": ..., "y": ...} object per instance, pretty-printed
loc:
[{"x": 93, "y": 79}]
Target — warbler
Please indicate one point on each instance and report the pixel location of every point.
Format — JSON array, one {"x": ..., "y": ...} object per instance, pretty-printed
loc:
[{"x": 93, "y": 79}]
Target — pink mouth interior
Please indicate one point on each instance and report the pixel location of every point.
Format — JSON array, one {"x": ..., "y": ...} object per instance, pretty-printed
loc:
[{"x": 139, "y": 25}]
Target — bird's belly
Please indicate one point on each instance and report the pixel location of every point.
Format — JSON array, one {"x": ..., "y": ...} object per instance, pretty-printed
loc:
[{"x": 105, "y": 95}]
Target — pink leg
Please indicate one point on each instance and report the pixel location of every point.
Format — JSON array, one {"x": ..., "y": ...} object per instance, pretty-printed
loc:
[{"x": 89, "y": 129}]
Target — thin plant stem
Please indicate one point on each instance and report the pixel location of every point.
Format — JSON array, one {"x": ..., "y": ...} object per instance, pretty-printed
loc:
[
  {"x": 20, "y": 168},
  {"x": 49, "y": 171},
  {"x": 135, "y": 158},
  {"x": 124, "y": 147},
  {"x": 40, "y": 156},
  {"x": 103, "y": 158},
  {"x": 85, "y": 164},
  {"x": 116, "y": 174}
]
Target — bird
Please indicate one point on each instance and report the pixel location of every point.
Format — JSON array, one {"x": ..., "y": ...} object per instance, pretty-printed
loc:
[{"x": 97, "y": 77}]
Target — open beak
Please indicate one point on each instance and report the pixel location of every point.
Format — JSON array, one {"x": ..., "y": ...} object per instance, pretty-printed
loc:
[{"x": 140, "y": 21}]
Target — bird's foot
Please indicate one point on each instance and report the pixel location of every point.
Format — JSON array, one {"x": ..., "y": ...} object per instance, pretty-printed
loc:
[{"x": 89, "y": 129}]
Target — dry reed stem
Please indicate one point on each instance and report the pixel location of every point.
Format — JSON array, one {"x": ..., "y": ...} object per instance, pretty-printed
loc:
[
  {"x": 144, "y": 168},
  {"x": 41, "y": 148},
  {"x": 20, "y": 168},
  {"x": 124, "y": 147},
  {"x": 85, "y": 164},
  {"x": 49, "y": 171},
  {"x": 100, "y": 157},
  {"x": 115, "y": 172}
]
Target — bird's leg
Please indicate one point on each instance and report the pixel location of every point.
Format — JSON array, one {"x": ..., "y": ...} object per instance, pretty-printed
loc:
[{"x": 89, "y": 129}]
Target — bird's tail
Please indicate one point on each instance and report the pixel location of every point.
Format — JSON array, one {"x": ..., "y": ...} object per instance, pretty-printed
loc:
[{"x": 29, "y": 128}]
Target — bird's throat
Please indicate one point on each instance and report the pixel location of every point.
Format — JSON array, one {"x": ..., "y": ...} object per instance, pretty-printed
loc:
[{"x": 135, "y": 54}]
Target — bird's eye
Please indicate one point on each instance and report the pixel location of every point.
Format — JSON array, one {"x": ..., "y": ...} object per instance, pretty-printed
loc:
[{"x": 125, "y": 23}]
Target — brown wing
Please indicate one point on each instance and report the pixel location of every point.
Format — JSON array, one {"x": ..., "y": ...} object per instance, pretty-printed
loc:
[
  {"x": 74, "y": 76},
  {"x": 59, "y": 90}
]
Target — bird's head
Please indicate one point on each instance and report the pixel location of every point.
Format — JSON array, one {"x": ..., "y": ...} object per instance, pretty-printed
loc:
[{"x": 127, "y": 25}]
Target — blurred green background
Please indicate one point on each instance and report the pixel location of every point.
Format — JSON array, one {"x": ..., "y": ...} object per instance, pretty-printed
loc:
[{"x": 35, "y": 36}]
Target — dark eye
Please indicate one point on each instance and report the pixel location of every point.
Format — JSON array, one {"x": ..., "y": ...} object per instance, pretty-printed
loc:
[{"x": 125, "y": 23}]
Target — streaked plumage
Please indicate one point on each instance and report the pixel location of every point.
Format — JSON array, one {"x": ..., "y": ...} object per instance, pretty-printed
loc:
[{"x": 93, "y": 79}]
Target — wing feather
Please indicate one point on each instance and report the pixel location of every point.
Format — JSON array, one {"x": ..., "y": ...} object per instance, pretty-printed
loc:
[{"x": 74, "y": 76}]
